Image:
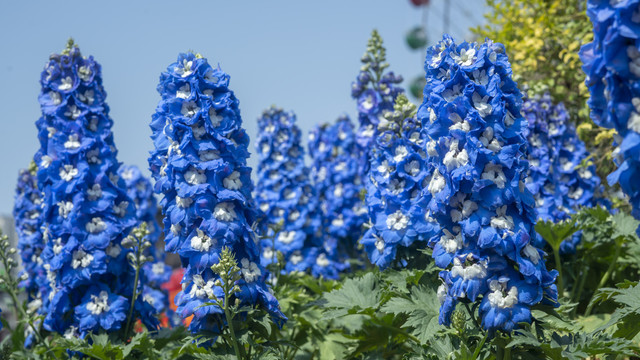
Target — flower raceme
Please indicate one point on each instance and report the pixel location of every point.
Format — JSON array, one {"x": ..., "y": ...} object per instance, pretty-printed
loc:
[
  {"x": 558, "y": 182},
  {"x": 375, "y": 92},
  {"x": 199, "y": 164},
  {"x": 396, "y": 195},
  {"x": 86, "y": 210},
  {"x": 288, "y": 200},
  {"x": 612, "y": 65},
  {"x": 475, "y": 144}
]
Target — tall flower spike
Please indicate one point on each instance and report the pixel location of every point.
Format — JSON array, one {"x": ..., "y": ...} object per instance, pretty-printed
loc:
[
  {"x": 375, "y": 92},
  {"x": 86, "y": 210},
  {"x": 396, "y": 196},
  {"x": 335, "y": 173},
  {"x": 27, "y": 213},
  {"x": 156, "y": 272},
  {"x": 558, "y": 182},
  {"x": 478, "y": 151},
  {"x": 612, "y": 65},
  {"x": 199, "y": 164},
  {"x": 289, "y": 202}
]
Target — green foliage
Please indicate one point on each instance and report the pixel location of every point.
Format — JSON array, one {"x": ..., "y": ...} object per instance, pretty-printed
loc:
[{"x": 542, "y": 39}]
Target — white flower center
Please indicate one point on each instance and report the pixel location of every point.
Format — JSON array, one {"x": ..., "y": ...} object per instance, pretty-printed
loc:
[
  {"x": 397, "y": 221},
  {"x": 81, "y": 259},
  {"x": 232, "y": 182},
  {"x": 184, "y": 92},
  {"x": 96, "y": 225},
  {"x": 286, "y": 237},
  {"x": 201, "y": 242},
  {"x": 64, "y": 208},
  {"x": 225, "y": 212},
  {"x": 497, "y": 297},
  {"x": 99, "y": 304},
  {"x": 67, "y": 172},
  {"x": 437, "y": 183},
  {"x": 250, "y": 270},
  {"x": 494, "y": 173},
  {"x": 189, "y": 109}
]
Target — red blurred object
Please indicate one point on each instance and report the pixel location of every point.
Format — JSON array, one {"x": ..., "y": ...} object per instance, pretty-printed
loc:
[
  {"x": 173, "y": 286},
  {"x": 420, "y": 2}
]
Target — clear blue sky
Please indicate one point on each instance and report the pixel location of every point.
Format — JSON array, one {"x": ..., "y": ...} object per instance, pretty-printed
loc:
[{"x": 299, "y": 55}]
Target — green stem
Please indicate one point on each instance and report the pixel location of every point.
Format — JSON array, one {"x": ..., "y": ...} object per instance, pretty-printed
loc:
[
  {"x": 11, "y": 286},
  {"x": 479, "y": 346},
  {"x": 135, "y": 291},
  {"x": 556, "y": 255},
  {"x": 472, "y": 316},
  {"x": 604, "y": 278},
  {"x": 227, "y": 314},
  {"x": 580, "y": 287}
]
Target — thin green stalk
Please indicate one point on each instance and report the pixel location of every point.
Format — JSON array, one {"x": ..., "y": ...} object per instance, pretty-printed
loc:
[
  {"x": 227, "y": 314},
  {"x": 11, "y": 286},
  {"x": 604, "y": 279},
  {"x": 583, "y": 279},
  {"x": 556, "y": 255},
  {"x": 135, "y": 294},
  {"x": 479, "y": 346},
  {"x": 472, "y": 316}
]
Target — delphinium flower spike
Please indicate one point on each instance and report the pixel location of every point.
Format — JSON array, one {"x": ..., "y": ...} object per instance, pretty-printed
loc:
[
  {"x": 559, "y": 183},
  {"x": 612, "y": 65},
  {"x": 199, "y": 165},
  {"x": 336, "y": 177},
  {"x": 86, "y": 211},
  {"x": 375, "y": 92},
  {"x": 396, "y": 196},
  {"x": 156, "y": 272},
  {"x": 289, "y": 203},
  {"x": 477, "y": 149},
  {"x": 27, "y": 214}
]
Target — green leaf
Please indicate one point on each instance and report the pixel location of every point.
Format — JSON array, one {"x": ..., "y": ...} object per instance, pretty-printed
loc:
[
  {"x": 555, "y": 234},
  {"x": 625, "y": 225},
  {"x": 423, "y": 309},
  {"x": 355, "y": 295}
]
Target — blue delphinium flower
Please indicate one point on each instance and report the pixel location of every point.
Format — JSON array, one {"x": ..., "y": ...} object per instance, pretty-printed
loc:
[
  {"x": 476, "y": 146},
  {"x": 375, "y": 92},
  {"x": 199, "y": 163},
  {"x": 396, "y": 197},
  {"x": 557, "y": 181},
  {"x": 27, "y": 214},
  {"x": 86, "y": 211},
  {"x": 289, "y": 203},
  {"x": 612, "y": 65},
  {"x": 156, "y": 272},
  {"x": 336, "y": 177}
]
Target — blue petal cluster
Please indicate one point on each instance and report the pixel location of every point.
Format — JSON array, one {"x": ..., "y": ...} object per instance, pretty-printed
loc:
[
  {"x": 612, "y": 65},
  {"x": 27, "y": 214},
  {"x": 156, "y": 272},
  {"x": 86, "y": 210},
  {"x": 396, "y": 195},
  {"x": 335, "y": 172},
  {"x": 476, "y": 146},
  {"x": 289, "y": 203},
  {"x": 199, "y": 164},
  {"x": 558, "y": 182}
]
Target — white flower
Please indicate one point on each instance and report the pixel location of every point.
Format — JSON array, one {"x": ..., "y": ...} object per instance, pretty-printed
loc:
[
  {"x": 96, "y": 225},
  {"x": 532, "y": 253},
  {"x": 120, "y": 209},
  {"x": 95, "y": 192},
  {"x": 201, "y": 242},
  {"x": 286, "y": 237},
  {"x": 84, "y": 73},
  {"x": 502, "y": 220},
  {"x": 66, "y": 84},
  {"x": 64, "y": 208},
  {"x": 498, "y": 299},
  {"x": 232, "y": 182},
  {"x": 466, "y": 57},
  {"x": 475, "y": 271},
  {"x": 459, "y": 123},
  {"x": 195, "y": 176},
  {"x": 184, "y": 92},
  {"x": 451, "y": 94},
  {"x": 450, "y": 242},
  {"x": 455, "y": 157},
  {"x": 67, "y": 172},
  {"x": 494, "y": 173},
  {"x": 437, "y": 183},
  {"x": 397, "y": 221},
  {"x": 225, "y": 211},
  {"x": 99, "y": 303},
  {"x": 412, "y": 168},
  {"x": 185, "y": 70},
  {"x": 322, "y": 260},
  {"x": 183, "y": 202},
  {"x": 482, "y": 104},
  {"x": 189, "y": 109},
  {"x": 250, "y": 270},
  {"x": 202, "y": 289},
  {"x": 81, "y": 259},
  {"x": 216, "y": 119}
]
